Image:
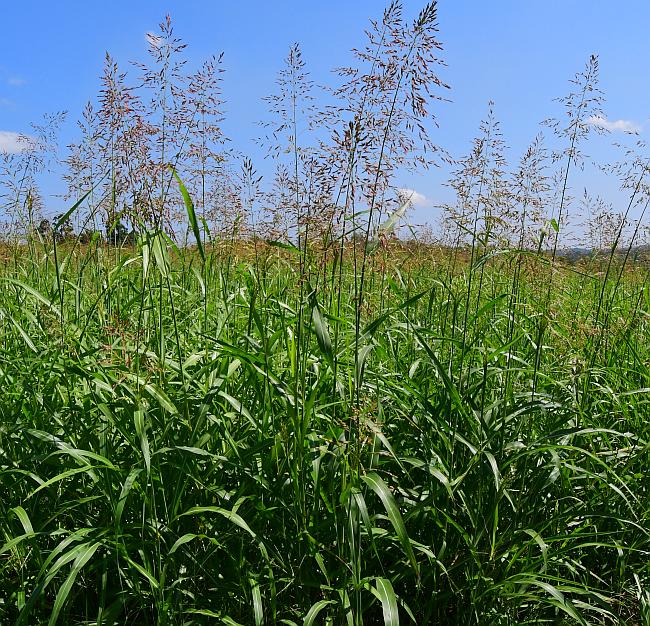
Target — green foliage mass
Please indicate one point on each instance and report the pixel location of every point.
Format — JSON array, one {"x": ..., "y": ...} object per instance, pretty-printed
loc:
[{"x": 243, "y": 437}]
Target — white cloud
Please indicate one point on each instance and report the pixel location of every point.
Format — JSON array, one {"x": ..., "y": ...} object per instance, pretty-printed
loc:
[
  {"x": 16, "y": 81},
  {"x": 13, "y": 143},
  {"x": 416, "y": 198},
  {"x": 615, "y": 126},
  {"x": 5, "y": 102}
]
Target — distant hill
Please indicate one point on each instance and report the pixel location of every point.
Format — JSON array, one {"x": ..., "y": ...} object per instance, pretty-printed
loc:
[{"x": 637, "y": 253}]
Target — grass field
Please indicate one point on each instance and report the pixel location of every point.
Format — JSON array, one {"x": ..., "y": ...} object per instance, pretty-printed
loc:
[
  {"x": 307, "y": 413},
  {"x": 256, "y": 437}
]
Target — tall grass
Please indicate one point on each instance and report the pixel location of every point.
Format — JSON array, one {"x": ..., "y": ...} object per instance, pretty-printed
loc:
[
  {"x": 299, "y": 419},
  {"x": 173, "y": 455}
]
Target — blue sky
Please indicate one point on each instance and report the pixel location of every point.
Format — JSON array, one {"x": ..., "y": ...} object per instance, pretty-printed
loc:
[{"x": 519, "y": 53}]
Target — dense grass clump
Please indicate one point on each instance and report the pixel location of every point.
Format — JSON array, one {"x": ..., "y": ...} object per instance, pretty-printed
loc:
[{"x": 248, "y": 438}]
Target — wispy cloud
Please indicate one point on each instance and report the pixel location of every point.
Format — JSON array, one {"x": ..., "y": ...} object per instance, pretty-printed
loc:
[
  {"x": 13, "y": 143},
  {"x": 415, "y": 197},
  {"x": 615, "y": 126},
  {"x": 16, "y": 81},
  {"x": 5, "y": 102}
]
